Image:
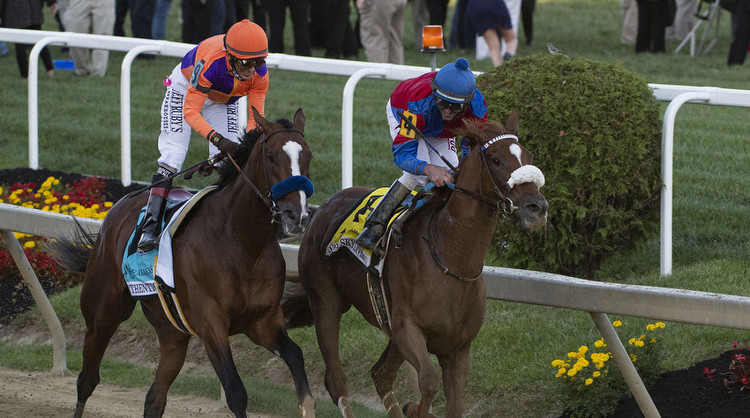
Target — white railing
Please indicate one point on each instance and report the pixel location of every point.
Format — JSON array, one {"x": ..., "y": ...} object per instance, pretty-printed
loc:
[
  {"x": 505, "y": 284},
  {"x": 356, "y": 70}
]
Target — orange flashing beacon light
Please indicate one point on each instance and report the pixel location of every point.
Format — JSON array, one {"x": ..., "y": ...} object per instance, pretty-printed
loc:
[{"x": 432, "y": 38}]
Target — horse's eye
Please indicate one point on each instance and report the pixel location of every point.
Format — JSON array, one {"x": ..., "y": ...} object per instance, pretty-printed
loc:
[
  {"x": 270, "y": 158},
  {"x": 495, "y": 161}
]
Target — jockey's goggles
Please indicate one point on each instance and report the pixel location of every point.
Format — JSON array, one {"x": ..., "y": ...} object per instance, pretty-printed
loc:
[
  {"x": 454, "y": 107},
  {"x": 247, "y": 63}
]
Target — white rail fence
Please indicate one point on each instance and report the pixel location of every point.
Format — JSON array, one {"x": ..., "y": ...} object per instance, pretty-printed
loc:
[
  {"x": 356, "y": 70},
  {"x": 505, "y": 284}
]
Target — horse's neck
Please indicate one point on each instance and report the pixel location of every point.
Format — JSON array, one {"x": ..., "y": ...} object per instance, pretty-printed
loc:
[
  {"x": 244, "y": 208},
  {"x": 465, "y": 223}
]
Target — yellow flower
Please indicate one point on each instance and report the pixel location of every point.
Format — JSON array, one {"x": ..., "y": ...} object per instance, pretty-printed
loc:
[
  {"x": 596, "y": 374},
  {"x": 589, "y": 381},
  {"x": 582, "y": 349},
  {"x": 639, "y": 343},
  {"x": 660, "y": 325},
  {"x": 29, "y": 244},
  {"x": 650, "y": 327},
  {"x": 557, "y": 363},
  {"x": 631, "y": 341},
  {"x": 617, "y": 323},
  {"x": 634, "y": 358},
  {"x": 599, "y": 343},
  {"x": 572, "y": 372}
]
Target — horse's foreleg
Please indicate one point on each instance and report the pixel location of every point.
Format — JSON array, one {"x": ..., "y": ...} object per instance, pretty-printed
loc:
[
  {"x": 455, "y": 372},
  {"x": 327, "y": 313},
  {"x": 173, "y": 346},
  {"x": 384, "y": 373},
  {"x": 412, "y": 345},
  {"x": 216, "y": 342},
  {"x": 272, "y": 335}
]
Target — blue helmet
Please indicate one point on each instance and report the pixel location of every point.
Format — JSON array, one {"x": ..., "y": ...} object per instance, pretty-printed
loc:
[{"x": 455, "y": 82}]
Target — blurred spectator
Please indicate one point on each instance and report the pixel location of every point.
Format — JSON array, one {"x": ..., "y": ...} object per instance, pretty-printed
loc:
[
  {"x": 26, "y": 14},
  {"x": 3, "y": 49},
  {"x": 141, "y": 17},
  {"x": 491, "y": 18},
  {"x": 527, "y": 16},
  {"x": 330, "y": 28},
  {"x": 299, "y": 10},
  {"x": 95, "y": 17},
  {"x": 462, "y": 32},
  {"x": 629, "y": 10},
  {"x": 161, "y": 15},
  {"x": 514, "y": 9},
  {"x": 260, "y": 13},
  {"x": 419, "y": 18},
  {"x": 652, "y": 21},
  {"x": 382, "y": 29},
  {"x": 201, "y": 19},
  {"x": 438, "y": 10},
  {"x": 684, "y": 20},
  {"x": 740, "y": 33},
  {"x": 121, "y": 11}
]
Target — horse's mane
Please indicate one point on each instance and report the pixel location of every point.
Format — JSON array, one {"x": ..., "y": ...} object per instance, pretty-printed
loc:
[
  {"x": 228, "y": 172},
  {"x": 476, "y": 133}
]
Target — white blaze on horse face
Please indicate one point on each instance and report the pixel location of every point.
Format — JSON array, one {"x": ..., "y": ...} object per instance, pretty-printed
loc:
[
  {"x": 293, "y": 150},
  {"x": 515, "y": 149},
  {"x": 525, "y": 173}
]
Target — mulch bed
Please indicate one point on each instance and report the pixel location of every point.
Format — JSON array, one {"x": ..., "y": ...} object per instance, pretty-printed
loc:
[{"x": 682, "y": 393}]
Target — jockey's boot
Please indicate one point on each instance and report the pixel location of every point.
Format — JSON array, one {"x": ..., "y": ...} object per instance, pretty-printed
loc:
[
  {"x": 157, "y": 200},
  {"x": 376, "y": 223}
]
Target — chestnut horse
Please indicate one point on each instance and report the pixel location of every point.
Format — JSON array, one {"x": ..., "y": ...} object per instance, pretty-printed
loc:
[
  {"x": 433, "y": 281},
  {"x": 228, "y": 267}
]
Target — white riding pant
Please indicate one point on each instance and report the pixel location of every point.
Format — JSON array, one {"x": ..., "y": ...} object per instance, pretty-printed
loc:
[
  {"x": 174, "y": 138},
  {"x": 444, "y": 146}
]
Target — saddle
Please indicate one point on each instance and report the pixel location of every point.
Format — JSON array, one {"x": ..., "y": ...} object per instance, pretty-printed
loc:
[{"x": 346, "y": 233}]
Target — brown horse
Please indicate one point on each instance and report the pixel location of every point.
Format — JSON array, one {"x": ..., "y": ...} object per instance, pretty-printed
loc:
[
  {"x": 228, "y": 267},
  {"x": 433, "y": 282}
]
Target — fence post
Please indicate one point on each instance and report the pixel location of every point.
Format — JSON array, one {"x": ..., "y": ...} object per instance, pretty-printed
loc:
[{"x": 45, "y": 307}]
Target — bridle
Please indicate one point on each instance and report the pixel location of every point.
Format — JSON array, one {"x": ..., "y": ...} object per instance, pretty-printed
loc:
[
  {"x": 504, "y": 202},
  {"x": 280, "y": 189}
]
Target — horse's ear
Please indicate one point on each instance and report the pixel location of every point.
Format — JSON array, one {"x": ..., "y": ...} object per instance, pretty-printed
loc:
[
  {"x": 261, "y": 121},
  {"x": 512, "y": 124},
  {"x": 299, "y": 120}
]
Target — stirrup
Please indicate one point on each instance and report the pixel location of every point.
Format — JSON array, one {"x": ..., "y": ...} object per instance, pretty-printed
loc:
[
  {"x": 147, "y": 242},
  {"x": 370, "y": 239}
]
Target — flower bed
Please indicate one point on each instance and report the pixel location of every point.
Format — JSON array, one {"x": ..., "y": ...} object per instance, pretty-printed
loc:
[{"x": 56, "y": 192}]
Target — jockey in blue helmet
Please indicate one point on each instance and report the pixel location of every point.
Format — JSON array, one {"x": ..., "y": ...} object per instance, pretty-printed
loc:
[{"x": 436, "y": 103}]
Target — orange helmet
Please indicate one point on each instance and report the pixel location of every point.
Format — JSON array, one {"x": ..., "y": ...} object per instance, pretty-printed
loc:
[{"x": 245, "y": 40}]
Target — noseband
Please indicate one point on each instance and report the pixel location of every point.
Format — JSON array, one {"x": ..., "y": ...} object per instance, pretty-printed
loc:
[
  {"x": 523, "y": 174},
  {"x": 280, "y": 189}
]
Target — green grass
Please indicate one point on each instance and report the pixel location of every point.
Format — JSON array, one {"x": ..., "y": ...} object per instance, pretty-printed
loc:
[{"x": 510, "y": 372}]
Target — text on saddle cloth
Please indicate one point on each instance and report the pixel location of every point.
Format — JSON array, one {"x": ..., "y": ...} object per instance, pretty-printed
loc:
[
  {"x": 353, "y": 224},
  {"x": 138, "y": 268}
]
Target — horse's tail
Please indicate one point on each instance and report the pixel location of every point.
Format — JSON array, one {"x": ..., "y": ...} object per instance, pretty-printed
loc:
[
  {"x": 72, "y": 253},
  {"x": 295, "y": 305}
]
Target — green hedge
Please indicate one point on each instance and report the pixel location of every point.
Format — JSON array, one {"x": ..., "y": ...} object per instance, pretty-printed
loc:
[{"x": 595, "y": 132}]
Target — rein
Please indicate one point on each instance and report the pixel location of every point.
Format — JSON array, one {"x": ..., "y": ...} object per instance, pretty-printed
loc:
[{"x": 269, "y": 202}]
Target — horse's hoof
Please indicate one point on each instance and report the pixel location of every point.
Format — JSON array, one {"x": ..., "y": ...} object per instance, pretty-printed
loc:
[{"x": 410, "y": 410}]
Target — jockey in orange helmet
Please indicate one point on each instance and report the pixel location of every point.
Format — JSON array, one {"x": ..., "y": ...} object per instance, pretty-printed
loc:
[{"x": 202, "y": 94}]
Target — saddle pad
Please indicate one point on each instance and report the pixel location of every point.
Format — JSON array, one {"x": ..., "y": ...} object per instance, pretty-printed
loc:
[
  {"x": 138, "y": 268},
  {"x": 164, "y": 272},
  {"x": 353, "y": 224}
]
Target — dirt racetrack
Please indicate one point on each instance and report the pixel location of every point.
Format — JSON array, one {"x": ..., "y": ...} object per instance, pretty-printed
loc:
[{"x": 42, "y": 395}]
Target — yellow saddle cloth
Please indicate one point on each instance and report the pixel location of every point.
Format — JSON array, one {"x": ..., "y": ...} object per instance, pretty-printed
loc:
[{"x": 353, "y": 224}]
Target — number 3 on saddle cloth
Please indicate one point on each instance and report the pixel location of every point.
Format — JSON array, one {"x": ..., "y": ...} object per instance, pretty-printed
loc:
[{"x": 150, "y": 274}]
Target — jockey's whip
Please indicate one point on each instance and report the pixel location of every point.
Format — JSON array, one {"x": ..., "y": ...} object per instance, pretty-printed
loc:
[
  {"x": 190, "y": 169},
  {"x": 421, "y": 136}
]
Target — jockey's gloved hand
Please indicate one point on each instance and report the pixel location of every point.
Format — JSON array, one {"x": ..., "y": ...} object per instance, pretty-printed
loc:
[{"x": 224, "y": 145}]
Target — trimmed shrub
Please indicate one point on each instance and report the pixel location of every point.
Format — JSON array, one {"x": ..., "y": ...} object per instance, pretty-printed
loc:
[{"x": 595, "y": 132}]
